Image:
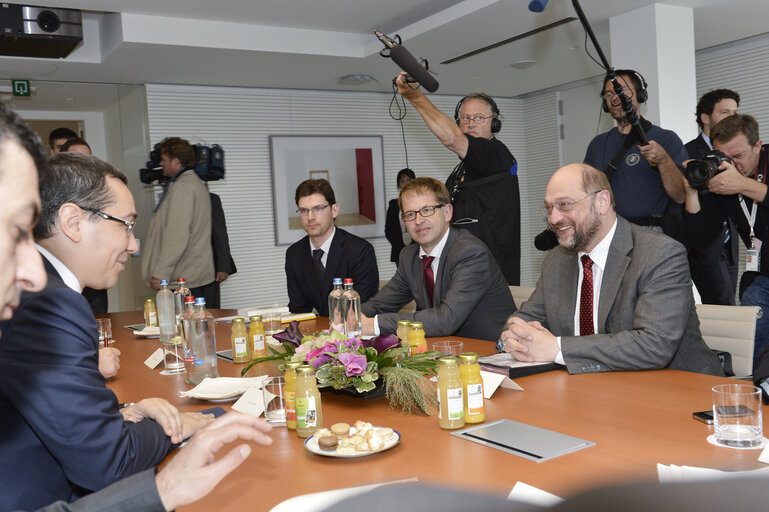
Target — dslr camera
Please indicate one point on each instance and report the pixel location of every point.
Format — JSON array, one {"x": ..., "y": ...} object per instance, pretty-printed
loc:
[{"x": 699, "y": 171}]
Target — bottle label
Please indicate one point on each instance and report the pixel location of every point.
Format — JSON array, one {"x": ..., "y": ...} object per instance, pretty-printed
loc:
[
  {"x": 455, "y": 408},
  {"x": 241, "y": 349},
  {"x": 419, "y": 349},
  {"x": 474, "y": 398},
  {"x": 288, "y": 396},
  {"x": 306, "y": 413},
  {"x": 439, "y": 402},
  {"x": 153, "y": 318},
  {"x": 258, "y": 342}
]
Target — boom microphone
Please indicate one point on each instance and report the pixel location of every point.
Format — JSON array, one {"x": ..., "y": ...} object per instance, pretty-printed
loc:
[{"x": 408, "y": 63}]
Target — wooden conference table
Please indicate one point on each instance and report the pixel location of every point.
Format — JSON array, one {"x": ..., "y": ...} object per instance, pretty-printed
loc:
[{"x": 637, "y": 419}]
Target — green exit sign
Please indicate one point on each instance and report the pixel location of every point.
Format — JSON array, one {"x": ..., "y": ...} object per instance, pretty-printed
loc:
[{"x": 21, "y": 87}]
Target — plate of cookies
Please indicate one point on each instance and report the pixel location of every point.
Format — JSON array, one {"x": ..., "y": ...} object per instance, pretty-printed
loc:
[{"x": 359, "y": 440}]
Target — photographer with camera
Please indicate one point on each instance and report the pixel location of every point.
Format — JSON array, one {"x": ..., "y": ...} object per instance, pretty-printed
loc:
[
  {"x": 178, "y": 242},
  {"x": 730, "y": 183},
  {"x": 714, "y": 268}
]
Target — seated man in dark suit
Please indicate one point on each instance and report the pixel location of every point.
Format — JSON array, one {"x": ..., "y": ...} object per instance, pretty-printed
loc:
[
  {"x": 325, "y": 253},
  {"x": 61, "y": 425},
  {"x": 455, "y": 281},
  {"x": 613, "y": 295}
]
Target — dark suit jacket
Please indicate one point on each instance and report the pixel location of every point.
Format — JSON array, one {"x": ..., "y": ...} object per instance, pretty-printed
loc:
[
  {"x": 220, "y": 241},
  {"x": 349, "y": 256},
  {"x": 713, "y": 267},
  {"x": 646, "y": 314},
  {"x": 60, "y": 425},
  {"x": 393, "y": 229},
  {"x": 471, "y": 297}
]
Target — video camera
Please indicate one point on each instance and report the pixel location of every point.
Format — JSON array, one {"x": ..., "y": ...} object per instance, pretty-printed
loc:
[
  {"x": 209, "y": 164},
  {"x": 699, "y": 171}
]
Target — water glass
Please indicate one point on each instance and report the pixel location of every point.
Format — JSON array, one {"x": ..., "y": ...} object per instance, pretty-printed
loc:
[
  {"x": 448, "y": 348},
  {"x": 737, "y": 416},
  {"x": 272, "y": 323},
  {"x": 274, "y": 406},
  {"x": 173, "y": 356}
]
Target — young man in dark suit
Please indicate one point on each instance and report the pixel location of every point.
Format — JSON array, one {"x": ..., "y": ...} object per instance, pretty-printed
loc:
[
  {"x": 453, "y": 277},
  {"x": 325, "y": 253}
]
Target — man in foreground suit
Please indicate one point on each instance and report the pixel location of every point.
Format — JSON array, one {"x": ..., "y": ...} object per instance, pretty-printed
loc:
[
  {"x": 193, "y": 472},
  {"x": 69, "y": 436},
  {"x": 455, "y": 281},
  {"x": 325, "y": 253},
  {"x": 613, "y": 296}
]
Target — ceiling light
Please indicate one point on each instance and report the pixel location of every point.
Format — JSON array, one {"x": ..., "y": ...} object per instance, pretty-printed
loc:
[
  {"x": 523, "y": 64},
  {"x": 356, "y": 80}
]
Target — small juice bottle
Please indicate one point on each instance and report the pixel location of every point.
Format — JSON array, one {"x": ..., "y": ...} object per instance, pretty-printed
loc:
[
  {"x": 472, "y": 387},
  {"x": 256, "y": 335},
  {"x": 309, "y": 415},
  {"x": 403, "y": 331},
  {"x": 150, "y": 313},
  {"x": 241, "y": 352},
  {"x": 451, "y": 412},
  {"x": 289, "y": 393},
  {"x": 416, "y": 338}
]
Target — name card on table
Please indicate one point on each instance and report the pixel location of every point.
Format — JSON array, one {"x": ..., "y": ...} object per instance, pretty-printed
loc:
[
  {"x": 252, "y": 402},
  {"x": 155, "y": 359}
]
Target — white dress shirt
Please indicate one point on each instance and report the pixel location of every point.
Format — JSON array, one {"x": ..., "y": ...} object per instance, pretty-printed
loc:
[{"x": 66, "y": 274}]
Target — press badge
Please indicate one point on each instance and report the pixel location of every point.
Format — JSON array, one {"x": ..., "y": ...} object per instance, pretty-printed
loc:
[{"x": 753, "y": 256}]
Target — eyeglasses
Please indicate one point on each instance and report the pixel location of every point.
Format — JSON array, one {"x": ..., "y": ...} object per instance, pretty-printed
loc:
[
  {"x": 317, "y": 210},
  {"x": 427, "y": 211},
  {"x": 129, "y": 225},
  {"x": 477, "y": 119},
  {"x": 564, "y": 206}
]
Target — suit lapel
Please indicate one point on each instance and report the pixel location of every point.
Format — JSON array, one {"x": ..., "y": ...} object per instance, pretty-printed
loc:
[
  {"x": 440, "y": 280},
  {"x": 616, "y": 266},
  {"x": 568, "y": 278}
]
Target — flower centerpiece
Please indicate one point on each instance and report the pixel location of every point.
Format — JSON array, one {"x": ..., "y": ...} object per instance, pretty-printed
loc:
[{"x": 341, "y": 363}]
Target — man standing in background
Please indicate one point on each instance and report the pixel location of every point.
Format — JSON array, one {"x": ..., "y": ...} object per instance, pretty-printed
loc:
[
  {"x": 179, "y": 238},
  {"x": 484, "y": 185},
  {"x": 58, "y": 137}
]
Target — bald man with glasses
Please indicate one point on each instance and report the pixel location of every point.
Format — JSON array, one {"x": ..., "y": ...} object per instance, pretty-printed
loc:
[
  {"x": 458, "y": 287},
  {"x": 613, "y": 296}
]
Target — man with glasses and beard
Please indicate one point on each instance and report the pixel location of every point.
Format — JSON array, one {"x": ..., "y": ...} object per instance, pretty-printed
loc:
[{"x": 613, "y": 296}]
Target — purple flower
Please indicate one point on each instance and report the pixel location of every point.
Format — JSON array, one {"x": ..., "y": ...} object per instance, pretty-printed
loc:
[
  {"x": 382, "y": 342},
  {"x": 291, "y": 335},
  {"x": 354, "y": 364}
]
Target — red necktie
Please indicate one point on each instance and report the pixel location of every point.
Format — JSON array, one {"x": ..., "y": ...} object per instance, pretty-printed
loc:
[
  {"x": 586, "y": 298},
  {"x": 427, "y": 265}
]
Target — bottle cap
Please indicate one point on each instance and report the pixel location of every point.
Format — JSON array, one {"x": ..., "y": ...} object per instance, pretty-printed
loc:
[
  {"x": 189, "y": 299},
  {"x": 348, "y": 280},
  {"x": 448, "y": 360},
  {"x": 468, "y": 357},
  {"x": 200, "y": 300},
  {"x": 163, "y": 282},
  {"x": 182, "y": 280},
  {"x": 305, "y": 368},
  {"x": 404, "y": 322},
  {"x": 255, "y": 318},
  {"x": 293, "y": 365},
  {"x": 337, "y": 280},
  {"x": 416, "y": 325},
  {"x": 238, "y": 320}
]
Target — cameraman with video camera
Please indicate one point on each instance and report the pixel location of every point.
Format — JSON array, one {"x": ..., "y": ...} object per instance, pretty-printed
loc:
[{"x": 731, "y": 183}]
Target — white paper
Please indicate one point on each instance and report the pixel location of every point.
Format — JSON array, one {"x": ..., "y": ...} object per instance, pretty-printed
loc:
[
  {"x": 491, "y": 381},
  {"x": 252, "y": 402},
  {"x": 764, "y": 457},
  {"x": 322, "y": 500},
  {"x": 155, "y": 359},
  {"x": 223, "y": 387},
  {"x": 673, "y": 473},
  {"x": 152, "y": 331},
  {"x": 525, "y": 493}
]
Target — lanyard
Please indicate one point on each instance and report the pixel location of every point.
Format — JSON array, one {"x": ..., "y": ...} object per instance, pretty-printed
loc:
[{"x": 751, "y": 217}]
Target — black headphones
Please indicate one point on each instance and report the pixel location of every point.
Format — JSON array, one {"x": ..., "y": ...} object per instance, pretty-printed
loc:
[
  {"x": 496, "y": 122},
  {"x": 641, "y": 94}
]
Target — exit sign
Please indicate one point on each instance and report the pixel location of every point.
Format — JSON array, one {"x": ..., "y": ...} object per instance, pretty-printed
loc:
[{"x": 21, "y": 87}]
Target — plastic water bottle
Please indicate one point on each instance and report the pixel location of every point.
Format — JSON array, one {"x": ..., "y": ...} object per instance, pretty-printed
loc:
[
  {"x": 335, "y": 318},
  {"x": 185, "y": 320},
  {"x": 179, "y": 294},
  {"x": 164, "y": 302},
  {"x": 351, "y": 310},
  {"x": 202, "y": 344}
]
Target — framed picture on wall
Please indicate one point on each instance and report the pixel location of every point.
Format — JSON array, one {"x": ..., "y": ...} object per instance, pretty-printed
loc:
[{"x": 354, "y": 165}]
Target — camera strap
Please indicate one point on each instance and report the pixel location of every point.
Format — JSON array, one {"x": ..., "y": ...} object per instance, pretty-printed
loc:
[
  {"x": 751, "y": 217},
  {"x": 630, "y": 140}
]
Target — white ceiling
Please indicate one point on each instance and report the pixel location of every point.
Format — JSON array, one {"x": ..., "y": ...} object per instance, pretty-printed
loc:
[{"x": 305, "y": 44}]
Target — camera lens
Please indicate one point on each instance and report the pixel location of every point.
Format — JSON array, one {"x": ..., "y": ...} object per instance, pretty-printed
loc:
[{"x": 48, "y": 21}]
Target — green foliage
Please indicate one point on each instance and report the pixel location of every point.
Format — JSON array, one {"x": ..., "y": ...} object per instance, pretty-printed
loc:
[
  {"x": 277, "y": 355},
  {"x": 408, "y": 389}
]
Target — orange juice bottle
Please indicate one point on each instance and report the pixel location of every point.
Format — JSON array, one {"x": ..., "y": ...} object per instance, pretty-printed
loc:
[
  {"x": 451, "y": 412},
  {"x": 241, "y": 352},
  {"x": 472, "y": 387},
  {"x": 289, "y": 393},
  {"x": 416, "y": 338},
  {"x": 257, "y": 337}
]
